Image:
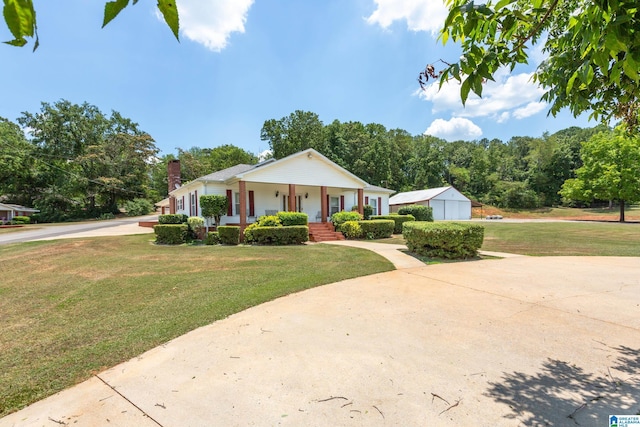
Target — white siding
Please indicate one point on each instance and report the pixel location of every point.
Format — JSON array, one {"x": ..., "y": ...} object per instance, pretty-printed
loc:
[{"x": 302, "y": 170}]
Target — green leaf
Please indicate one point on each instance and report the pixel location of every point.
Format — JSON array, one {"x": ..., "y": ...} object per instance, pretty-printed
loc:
[
  {"x": 464, "y": 90},
  {"x": 112, "y": 9},
  {"x": 20, "y": 18},
  {"x": 170, "y": 13},
  {"x": 17, "y": 42},
  {"x": 503, "y": 3},
  {"x": 630, "y": 68}
]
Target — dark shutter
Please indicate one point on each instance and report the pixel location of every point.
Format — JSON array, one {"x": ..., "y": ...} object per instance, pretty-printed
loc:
[
  {"x": 252, "y": 211},
  {"x": 380, "y": 206},
  {"x": 229, "y": 202},
  {"x": 341, "y": 203}
]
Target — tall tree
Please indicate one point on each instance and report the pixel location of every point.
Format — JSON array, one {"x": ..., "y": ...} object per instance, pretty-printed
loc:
[
  {"x": 87, "y": 162},
  {"x": 296, "y": 132},
  {"x": 610, "y": 170},
  {"x": 16, "y": 160},
  {"x": 591, "y": 48}
]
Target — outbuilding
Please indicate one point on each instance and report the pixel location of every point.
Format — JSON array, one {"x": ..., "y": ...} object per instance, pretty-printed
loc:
[{"x": 447, "y": 202}]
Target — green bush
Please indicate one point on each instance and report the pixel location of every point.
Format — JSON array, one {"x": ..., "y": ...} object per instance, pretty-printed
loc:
[
  {"x": 106, "y": 215},
  {"x": 21, "y": 220},
  {"x": 196, "y": 227},
  {"x": 351, "y": 230},
  {"x": 377, "y": 228},
  {"x": 172, "y": 219},
  {"x": 138, "y": 207},
  {"x": 368, "y": 211},
  {"x": 229, "y": 234},
  {"x": 293, "y": 235},
  {"x": 340, "y": 218},
  {"x": 213, "y": 238},
  {"x": 450, "y": 240},
  {"x": 397, "y": 219},
  {"x": 419, "y": 212},
  {"x": 269, "y": 221},
  {"x": 288, "y": 219},
  {"x": 171, "y": 234}
]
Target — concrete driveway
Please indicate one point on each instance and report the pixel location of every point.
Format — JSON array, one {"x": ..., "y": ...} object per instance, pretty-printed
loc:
[{"x": 520, "y": 341}]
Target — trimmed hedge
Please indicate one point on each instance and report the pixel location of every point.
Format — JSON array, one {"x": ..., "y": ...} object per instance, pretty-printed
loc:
[
  {"x": 229, "y": 234},
  {"x": 172, "y": 219},
  {"x": 21, "y": 220},
  {"x": 340, "y": 218},
  {"x": 288, "y": 219},
  {"x": 451, "y": 240},
  {"x": 397, "y": 219},
  {"x": 419, "y": 212},
  {"x": 377, "y": 228},
  {"x": 213, "y": 238},
  {"x": 171, "y": 234},
  {"x": 351, "y": 230},
  {"x": 293, "y": 235}
]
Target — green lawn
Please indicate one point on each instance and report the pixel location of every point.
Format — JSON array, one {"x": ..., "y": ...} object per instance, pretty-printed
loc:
[
  {"x": 563, "y": 238},
  {"x": 587, "y": 238},
  {"x": 71, "y": 308}
]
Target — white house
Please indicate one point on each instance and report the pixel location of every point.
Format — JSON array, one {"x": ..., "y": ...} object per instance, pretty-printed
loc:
[
  {"x": 305, "y": 182},
  {"x": 447, "y": 202},
  {"x": 8, "y": 211}
]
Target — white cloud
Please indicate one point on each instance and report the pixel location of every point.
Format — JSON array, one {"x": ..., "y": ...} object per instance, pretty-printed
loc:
[
  {"x": 211, "y": 22},
  {"x": 454, "y": 129},
  {"x": 421, "y": 15},
  {"x": 509, "y": 96}
]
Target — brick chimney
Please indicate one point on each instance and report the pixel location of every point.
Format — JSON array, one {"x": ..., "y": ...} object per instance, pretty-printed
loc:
[{"x": 173, "y": 178}]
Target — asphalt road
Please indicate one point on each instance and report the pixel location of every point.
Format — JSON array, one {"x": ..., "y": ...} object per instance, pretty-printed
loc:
[{"x": 68, "y": 230}]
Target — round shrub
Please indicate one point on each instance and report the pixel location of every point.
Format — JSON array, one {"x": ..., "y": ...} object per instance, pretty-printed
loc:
[
  {"x": 340, "y": 218},
  {"x": 351, "y": 230}
]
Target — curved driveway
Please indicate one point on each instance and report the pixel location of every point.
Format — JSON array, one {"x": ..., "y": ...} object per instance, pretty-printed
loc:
[{"x": 521, "y": 341}]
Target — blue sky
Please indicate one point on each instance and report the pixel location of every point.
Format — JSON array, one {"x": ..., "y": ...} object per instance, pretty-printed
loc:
[{"x": 241, "y": 62}]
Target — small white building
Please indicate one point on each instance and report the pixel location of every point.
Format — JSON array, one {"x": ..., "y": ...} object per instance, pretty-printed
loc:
[{"x": 447, "y": 202}]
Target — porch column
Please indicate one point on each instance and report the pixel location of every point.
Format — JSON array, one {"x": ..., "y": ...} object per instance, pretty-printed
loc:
[
  {"x": 292, "y": 197},
  {"x": 243, "y": 208},
  {"x": 361, "y": 201},
  {"x": 324, "y": 211}
]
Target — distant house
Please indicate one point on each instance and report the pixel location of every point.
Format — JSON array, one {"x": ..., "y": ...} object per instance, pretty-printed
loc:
[
  {"x": 8, "y": 211},
  {"x": 305, "y": 182},
  {"x": 447, "y": 202}
]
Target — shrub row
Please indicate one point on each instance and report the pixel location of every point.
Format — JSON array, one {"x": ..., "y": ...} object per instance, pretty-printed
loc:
[
  {"x": 292, "y": 235},
  {"x": 419, "y": 212},
  {"x": 397, "y": 219},
  {"x": 449, "y": 240},
  {"x": 21, "y": 220},
  {"x": 369, "y": 229},
  {"x": 172, "y": 219}
]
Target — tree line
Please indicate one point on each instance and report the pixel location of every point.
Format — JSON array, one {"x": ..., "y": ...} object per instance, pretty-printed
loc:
[{"x": 75, "y": 161}]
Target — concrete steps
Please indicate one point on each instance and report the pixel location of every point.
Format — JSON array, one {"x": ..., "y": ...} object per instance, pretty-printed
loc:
[{"x": 323, "y": 232}]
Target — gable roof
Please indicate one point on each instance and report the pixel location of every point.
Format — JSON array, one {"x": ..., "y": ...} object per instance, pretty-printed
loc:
[
  {"x": 307, "y": 167},
  {"x": 417, "y": 196},
  {"x": 14, "y": 207},
  {"x": 267, "y": 168}
]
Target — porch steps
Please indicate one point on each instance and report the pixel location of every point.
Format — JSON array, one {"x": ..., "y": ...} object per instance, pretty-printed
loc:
[{"x": 323, "y": 232}]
